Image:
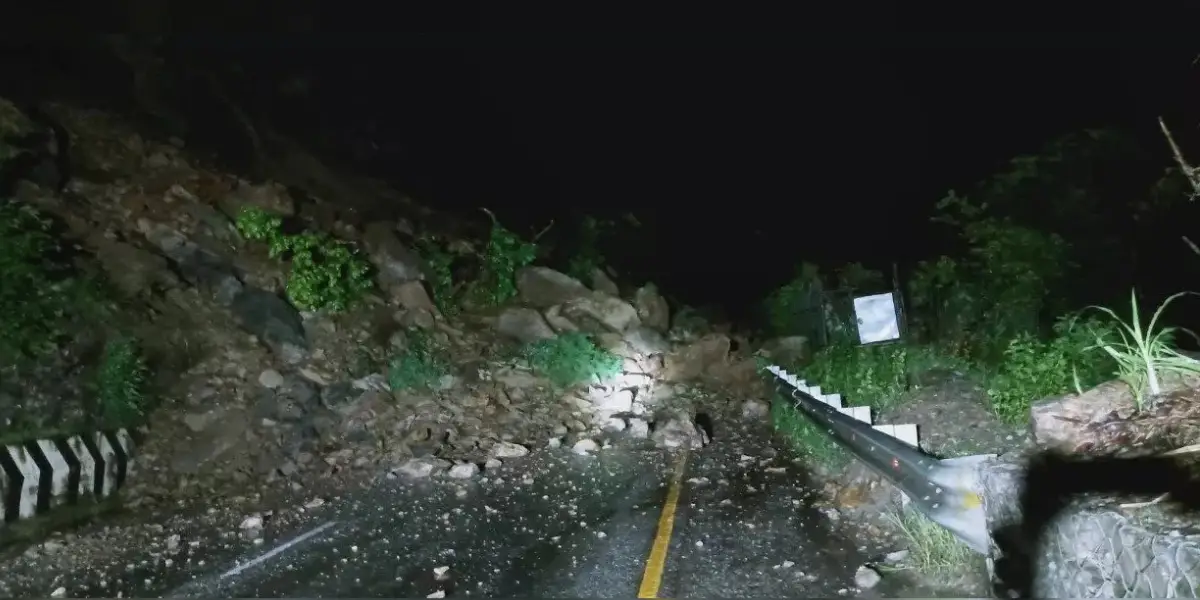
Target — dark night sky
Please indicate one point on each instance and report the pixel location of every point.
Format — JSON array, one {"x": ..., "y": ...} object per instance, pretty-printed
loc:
[
  {"x": 743, "y": 154},
  {"x": 834, "y": 154}
]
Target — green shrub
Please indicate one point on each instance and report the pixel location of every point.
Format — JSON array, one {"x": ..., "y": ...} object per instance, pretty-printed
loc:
[
  {"x": 587, "y": 256},
  {"x": 39, "y": 292},
  {"x": 570, "y": 359},
  {"x": 795, "y": 308},
  {"x": 120, "y": 383},
  {"x": 326, "y": 274},
  {"x": 873, "y": 375},
  {"x": 1143, "y": 354},
  {"x": 1034, "y": 369},
  {"x": 421, "y": 365},
  {"x": 438, "y": 264},
  {"x": 806, "y": 437},
  {"x": 506, "y": 253}
]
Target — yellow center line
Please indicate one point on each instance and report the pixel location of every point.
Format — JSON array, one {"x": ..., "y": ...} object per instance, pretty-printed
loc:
[{"x": 657, "y": 561}]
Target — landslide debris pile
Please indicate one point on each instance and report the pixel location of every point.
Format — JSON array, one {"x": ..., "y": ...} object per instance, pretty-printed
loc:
[{"x": 270, "y": 333}]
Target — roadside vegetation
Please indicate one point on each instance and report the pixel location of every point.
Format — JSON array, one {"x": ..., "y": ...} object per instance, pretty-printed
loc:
[
  {"x": 56, "y": 315},
  {"x": 1016, "y": 308}
]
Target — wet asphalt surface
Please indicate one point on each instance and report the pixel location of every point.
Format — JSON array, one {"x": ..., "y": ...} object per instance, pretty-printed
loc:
[{"x": 552, "y": 524}]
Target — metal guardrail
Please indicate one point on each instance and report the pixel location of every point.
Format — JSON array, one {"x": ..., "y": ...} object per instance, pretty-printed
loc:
[{"x": 943, "y": 490}]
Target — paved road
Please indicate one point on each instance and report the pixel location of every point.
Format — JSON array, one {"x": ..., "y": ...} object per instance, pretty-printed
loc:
[{"x": 550, "y": 525}]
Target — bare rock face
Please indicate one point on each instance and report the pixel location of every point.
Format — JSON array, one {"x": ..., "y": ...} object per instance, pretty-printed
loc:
[
  {"x": 1104, "y": 421},
  {"x": 524, "y": 324},
  {"x": 693, "y": 360},
  {"x": 652, "y": 309},
  {"x": 542, "y": 287}
]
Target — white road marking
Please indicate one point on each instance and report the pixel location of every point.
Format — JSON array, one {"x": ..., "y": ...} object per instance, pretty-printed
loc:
[{"x": 275, "y": 551}]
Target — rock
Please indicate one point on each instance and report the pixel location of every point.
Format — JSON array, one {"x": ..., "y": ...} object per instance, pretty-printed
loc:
[
  {"x": 652, "y": 309},
  {"x": 492, "y": 464},
  {"x": 1104, "y": 420},
  {"x": 613, "y": 313},
  {"x": 679, "y": 431},
  {"x": 270, "y": 379},
  {"x": 866, "y": 578},
  {"x": 585, "y": 447},
  {"x": 199, "y": 421},
  {"x": 897, "y": 557},
  {"x": 270, "y": 197},
  {"x": 542, "y": 287},
  {"x": 638, "y": 429},
  {"x": 787, "y": 351},
  {"x": 557, "y": 321},
  {"x": 754, "y": 410},
  {"x": 59, "y": 592},
  {"x": 508, "y": 450},
  {"x": 132, "y": 270},
  {"x": 197, "y": 265},
  {"x": 601, "y": 282},
  {"x": 419, "y": 468},
  {"x": 274, "y": 321},
  {"x": 463, "y": 471},
  {"x": 693, "y": 360},
  {"x": 614, "y": 425},
  {"x": 412, "y": 296},
  {"x": 647, "y": 341},
  {"x": 524, "y": 324},
  {"x": 394, "y": 261},
  {"x": 251, "y": 522},
  {"x": 606, "y": 402},
  {"x": 294, "y": 399}
]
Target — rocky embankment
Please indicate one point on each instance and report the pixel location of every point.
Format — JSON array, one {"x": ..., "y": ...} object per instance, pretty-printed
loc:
[{"x": 255, "y": 392}]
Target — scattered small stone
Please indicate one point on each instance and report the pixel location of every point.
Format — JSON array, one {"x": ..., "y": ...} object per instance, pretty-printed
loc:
[
  {"x": 614, "y": 425},
  {"x": 866, "y": 578},
  {"x": 314, "y": 503},
  {"x": 755, "y": 410},
  {"x": 252, "y": 522},
  {"x": 492, "y": 464},
  {"x": 437, "y": 594},
  {"x": 554, "y": 442},
  {"x": 59, "y": 592},
  {"x": 898, "y": 556},
  {"x": 439, "y": 573},
  {"x": 585, "y": 446},
  {"x": 173, "y": 542}
]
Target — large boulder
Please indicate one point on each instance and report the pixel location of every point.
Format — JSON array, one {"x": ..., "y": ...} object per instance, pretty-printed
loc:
[{"x": 542, "y": 287}]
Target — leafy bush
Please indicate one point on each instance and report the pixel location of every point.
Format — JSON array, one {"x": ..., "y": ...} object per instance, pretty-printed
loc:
[
  {"x": 973, "y": 307},
  {"x": 806, "y": 437},
  {"x": 506, "y": 253},
  {"x": 587, "y": 256},
  {"x": 875, "y": 375},
  {"x": 1143, "y": 354},
  {"x": 120, "y": 383},
  {"x": 39, "y": 293},
  {"x": 796, "y": 307},
  {"x": 420, "y": 367},
  {"x": 1034, "y": 368},
  {"x": 438, "y": 274},
  {"x": 326, "y": 274},
  {"x": 571, "y": 358}
]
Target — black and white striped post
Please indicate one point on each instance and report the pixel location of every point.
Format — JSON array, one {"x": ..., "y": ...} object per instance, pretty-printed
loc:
[{"x": 40, "y": 475}]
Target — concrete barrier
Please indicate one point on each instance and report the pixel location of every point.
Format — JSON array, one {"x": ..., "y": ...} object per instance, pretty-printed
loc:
[{"x": 40, "y": 475}]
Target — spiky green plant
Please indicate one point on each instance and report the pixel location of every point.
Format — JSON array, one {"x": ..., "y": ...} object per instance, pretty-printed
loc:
[{"x": 1144, "y": 354}]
